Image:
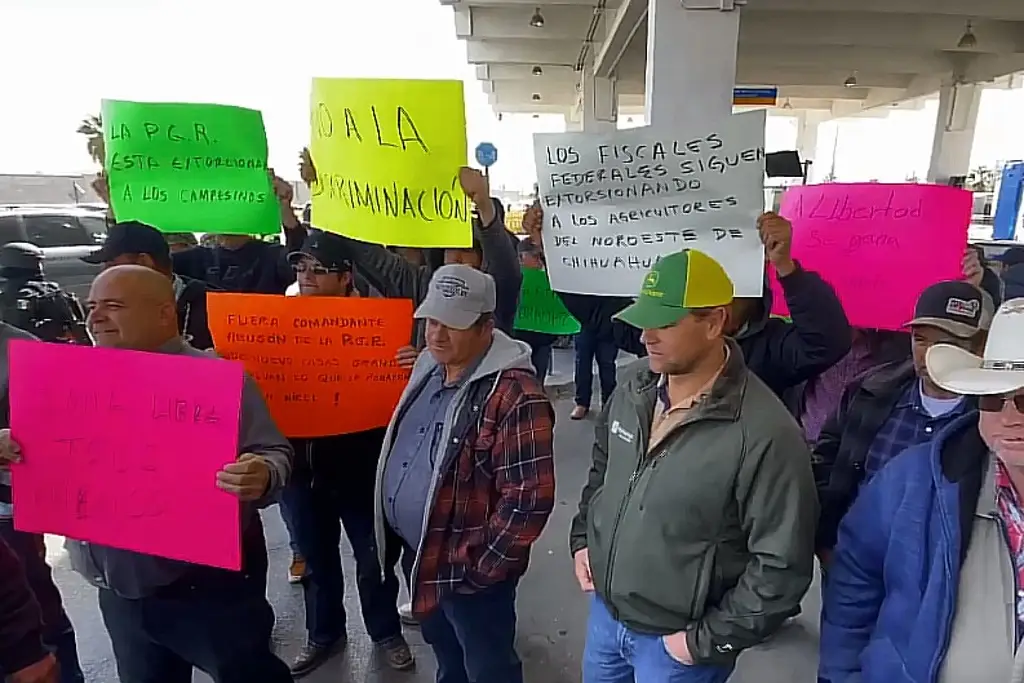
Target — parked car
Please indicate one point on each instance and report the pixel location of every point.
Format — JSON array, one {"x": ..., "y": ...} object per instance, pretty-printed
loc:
[{"x": 65, "y": 234}]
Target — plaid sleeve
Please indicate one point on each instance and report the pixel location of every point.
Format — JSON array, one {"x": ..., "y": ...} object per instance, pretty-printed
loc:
[{"x": 524, "y": 476}]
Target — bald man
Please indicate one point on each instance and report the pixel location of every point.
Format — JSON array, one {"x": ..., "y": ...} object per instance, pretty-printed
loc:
[{"x": 166, "y": 617}]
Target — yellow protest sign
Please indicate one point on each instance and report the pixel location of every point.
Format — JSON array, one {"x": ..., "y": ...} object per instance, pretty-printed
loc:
[{"x": 387, "y": 155}]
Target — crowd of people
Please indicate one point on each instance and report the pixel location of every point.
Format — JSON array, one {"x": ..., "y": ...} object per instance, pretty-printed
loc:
[{"x": 739, "y": 451}]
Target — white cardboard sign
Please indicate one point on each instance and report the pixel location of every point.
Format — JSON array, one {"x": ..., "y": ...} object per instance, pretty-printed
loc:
[{"x": 614, "y": 203}]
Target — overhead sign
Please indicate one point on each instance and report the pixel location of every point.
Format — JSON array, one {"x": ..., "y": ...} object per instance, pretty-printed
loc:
[
  {"x": 615, "y": 202},
  {"x": 879, "y": 245},
  {"x": 759, "y": 96},
  {"x": 486, "y": 154}
]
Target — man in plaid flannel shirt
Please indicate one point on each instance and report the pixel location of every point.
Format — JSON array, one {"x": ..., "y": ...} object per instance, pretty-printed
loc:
[{"x": 466, "y": 479}]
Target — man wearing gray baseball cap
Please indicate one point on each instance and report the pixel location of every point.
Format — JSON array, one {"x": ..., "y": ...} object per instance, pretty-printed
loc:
[{"x": 466, "y": 479}]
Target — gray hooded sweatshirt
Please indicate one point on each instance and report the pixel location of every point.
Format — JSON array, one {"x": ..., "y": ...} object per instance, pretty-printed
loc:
[
  {"x": 504, "y": 353},
  {"x": 135, "y": 575}
]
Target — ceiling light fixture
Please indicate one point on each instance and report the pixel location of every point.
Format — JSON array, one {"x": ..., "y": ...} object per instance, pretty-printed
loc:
[
  {"x": 851, "y": 81},
  {"x": 537, "y": 20},
  {"x": 536, "y": 97},
  {"x": 537, "y": 71},
  {"x": 968, "y": 40}
]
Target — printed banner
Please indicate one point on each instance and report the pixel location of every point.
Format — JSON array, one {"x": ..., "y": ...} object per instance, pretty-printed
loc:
[
  {"x": 189, "y": 167},
  {"x": 387, "y": 156},
  {"x": 123, "y": 449},
  {"x": 540, "y": 309},
  {"x": 326, "y": 365},
  {"x": 879, "y": 245},
  {"x": 616, "y": 202}
]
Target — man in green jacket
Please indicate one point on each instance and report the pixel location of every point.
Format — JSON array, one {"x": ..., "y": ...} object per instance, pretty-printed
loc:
[{"x": 695, "y": 531}]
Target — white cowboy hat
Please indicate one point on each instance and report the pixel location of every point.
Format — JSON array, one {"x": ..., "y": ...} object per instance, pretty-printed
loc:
[{"x": 999, "y": 371}]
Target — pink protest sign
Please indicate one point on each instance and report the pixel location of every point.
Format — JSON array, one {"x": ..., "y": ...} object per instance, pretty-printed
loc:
[
  {"x": 879, "y": 245},
  {"x": 122, "y": 448}
]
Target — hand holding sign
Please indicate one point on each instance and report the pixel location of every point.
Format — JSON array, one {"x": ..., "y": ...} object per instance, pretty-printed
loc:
[
  {"x": 777, "y": 235},
  {"x": 248, "y": 478},
  {"x": 10, "y": 451},
  {"x": 478, "y": 188},
  {"x": 307, "y": 171},
  {"x": 973, "y": 270}
]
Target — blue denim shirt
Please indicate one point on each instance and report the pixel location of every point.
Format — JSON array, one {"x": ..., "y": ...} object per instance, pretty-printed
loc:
[
  {"x": 410, "y": 469},
  {"x": 909, "y": 424}
]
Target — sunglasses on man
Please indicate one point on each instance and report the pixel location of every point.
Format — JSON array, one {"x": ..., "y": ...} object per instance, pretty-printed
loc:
[
  {"x": 995, "y": 404},
  {"x": 315, "y": 268}
]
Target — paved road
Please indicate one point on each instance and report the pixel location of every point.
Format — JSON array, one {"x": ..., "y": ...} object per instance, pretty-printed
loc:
[{"x": 551, "y": 609}]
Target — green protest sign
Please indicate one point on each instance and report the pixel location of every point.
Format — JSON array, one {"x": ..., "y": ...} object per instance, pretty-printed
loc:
[
  {"x": 189, "y": 167},
  {"x": 540, "y": 309}
]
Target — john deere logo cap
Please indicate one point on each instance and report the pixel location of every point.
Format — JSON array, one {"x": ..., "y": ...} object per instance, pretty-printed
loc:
[{"x": 677, "y": 284}]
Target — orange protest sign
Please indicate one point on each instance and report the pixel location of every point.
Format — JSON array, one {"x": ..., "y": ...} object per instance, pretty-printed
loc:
[{"x": 326, "y": 365}]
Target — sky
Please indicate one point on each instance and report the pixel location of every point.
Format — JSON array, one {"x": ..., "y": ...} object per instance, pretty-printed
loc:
[{"x": 59, "y": 58}]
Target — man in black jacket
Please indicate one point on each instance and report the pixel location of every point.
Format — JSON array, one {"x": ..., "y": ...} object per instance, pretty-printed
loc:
[
  {"x": 241, "y": 263},
  {"x": 140, "y": 244},
  {"x": 898, "y": 405},
  {"x": 781, "y": 353},
  {"x": 333, "y": 481}
]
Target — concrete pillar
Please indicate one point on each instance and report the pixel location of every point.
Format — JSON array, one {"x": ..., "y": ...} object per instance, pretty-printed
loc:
[
  {"x": 954, "y": 131},
  {"x": 691, "y": 62},
  {"x": 598, "y": 102},
  {"x": 807, "y": 125}
]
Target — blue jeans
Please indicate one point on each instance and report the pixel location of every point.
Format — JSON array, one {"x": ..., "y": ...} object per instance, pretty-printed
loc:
[
  {"x": 473, "y": 636},
  {"x": 319, "y": 510},
  {"x": 616, "y": 654},
  {"x": 588, "y": 347}
]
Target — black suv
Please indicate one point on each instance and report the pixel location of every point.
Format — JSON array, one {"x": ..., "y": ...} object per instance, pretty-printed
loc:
[{"x": 64, "y": 233}]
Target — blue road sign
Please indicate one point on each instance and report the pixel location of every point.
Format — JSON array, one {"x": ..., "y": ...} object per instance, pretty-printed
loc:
[{"x": 486, "y": 154}]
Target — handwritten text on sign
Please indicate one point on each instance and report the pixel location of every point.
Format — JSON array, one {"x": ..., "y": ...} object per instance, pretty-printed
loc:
[
  {"x": 186, "y": 167},
  {"x": 540, "y": 309},
  {"x": 879, "y": 245},
  {"x": 326, "y": 365},
  {"x": 387, "y": 155},
  {"x": 616, "y": 202},
  {"x": 123, "y": 449}
]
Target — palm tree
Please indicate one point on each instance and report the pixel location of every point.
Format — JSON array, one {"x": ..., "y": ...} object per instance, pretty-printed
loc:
[{"x": 92, "y": 128}]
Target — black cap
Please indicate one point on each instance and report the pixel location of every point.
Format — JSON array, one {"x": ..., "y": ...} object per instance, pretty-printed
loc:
[
  {"x": 131, "y": 237},
  {"x": 956, "y": 307},
  {"x": 1011, "y": 257},
  {"x": 326, "y": 248},
  {"x": 21, "y": 256}
]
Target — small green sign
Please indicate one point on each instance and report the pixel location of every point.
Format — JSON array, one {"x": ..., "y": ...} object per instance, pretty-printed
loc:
[
  {"x": 189, "y": 167},
  {"x": 540, "y": 309}
]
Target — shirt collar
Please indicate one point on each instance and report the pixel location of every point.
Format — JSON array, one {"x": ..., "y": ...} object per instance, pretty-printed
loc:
[
  {"x": 911, "y": 398},
  {"x": 666, "y": 403}
]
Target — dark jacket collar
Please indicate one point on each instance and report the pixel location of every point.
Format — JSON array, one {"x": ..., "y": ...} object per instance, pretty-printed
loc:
[{"x": 890, "y": 379}]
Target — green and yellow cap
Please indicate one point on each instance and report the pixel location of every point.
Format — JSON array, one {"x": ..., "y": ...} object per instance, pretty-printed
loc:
[{"x": 677, "y": 284}]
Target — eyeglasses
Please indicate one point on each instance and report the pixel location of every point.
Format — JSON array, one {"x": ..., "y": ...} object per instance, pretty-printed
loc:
[
  {"x": 995, "y": 404},
  {"x": 302, "y": 267}
]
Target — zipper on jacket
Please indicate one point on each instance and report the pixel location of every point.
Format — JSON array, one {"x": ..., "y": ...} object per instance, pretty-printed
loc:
[{"x": 645, "y": 460}]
